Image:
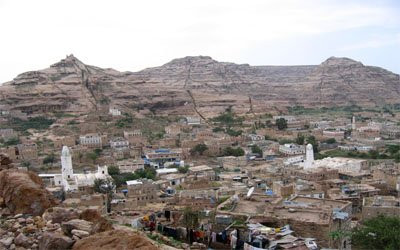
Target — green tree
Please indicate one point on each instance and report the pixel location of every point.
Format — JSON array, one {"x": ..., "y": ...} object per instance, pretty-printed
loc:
[
  {"x": 313, "y": 141},
  {"x": 256, "y": 150},
  {"x": 300, "y": 139},
  {"x": 381, "y": 232},
  {"x": 113, "y": 170},
  {"x": 281, "y": 123},
  {"x": 330, "y": 141},
  {"x": 191, "y": 218},
  {"x": 107, "y": 187},
  {"x": 199, "y": 149},
  {"x": 92, "y": 156},
  {"x": 49, "y": 159},
  {"x": 229, "y": 151}
]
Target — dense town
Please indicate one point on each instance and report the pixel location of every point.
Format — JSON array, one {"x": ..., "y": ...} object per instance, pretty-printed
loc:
[{"x": 296, "y": 178}]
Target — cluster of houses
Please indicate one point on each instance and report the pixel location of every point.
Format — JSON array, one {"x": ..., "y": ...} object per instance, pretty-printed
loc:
[{"x": 281, "y": 183}]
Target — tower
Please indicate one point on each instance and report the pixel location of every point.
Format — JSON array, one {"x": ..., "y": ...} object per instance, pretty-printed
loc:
[
  {"x": 309, "y": 156},
  {"x": 353, "y": 123},
  {"x": 66, "y": 164}
]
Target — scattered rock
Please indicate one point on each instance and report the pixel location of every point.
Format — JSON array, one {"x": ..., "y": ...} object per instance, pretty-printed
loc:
[
  {"x": 50, "y": 241},
  {"x": 7, "y": 241},
  {"x": 83, "y": 225},
  {"x": 115, "y": 239},
  {"x": 60, "y": 214},
  {"x": 80, "y": 233},
  {"x": 101, "y": 224},
  {"x": 22, "y": 240}
]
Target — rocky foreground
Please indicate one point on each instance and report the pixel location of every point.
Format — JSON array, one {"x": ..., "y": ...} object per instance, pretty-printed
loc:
[
  {"x": 199, "y": 84},
  {"x": 62, "y": 228}
]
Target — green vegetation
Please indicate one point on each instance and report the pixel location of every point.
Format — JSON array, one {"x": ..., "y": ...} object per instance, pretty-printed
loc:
[
  {"x": 390, "y": 152},
  {"x": 256, "y": 150},
  {"x": 11, "y": 142},
  {"x": 330, "y": 141},
  {"x": 49, "y": 159},
  {"x": 105, "y": 187},
  {"x": 199, "y": 149},
  {"x": 381, "y": 232},
  {"x": 125, "y": 122},
  {"x": 39, "y": 123},
  {"x": 285, "y": 141},
  {"x": 229, "y": 151},
  {"x": 313, "y": 141},
  {"x": 281, "y": 123},
  {"x": 233, "y": 132},
  {"x": 191, "y": 218},
  {"x": 121, "y": 178},
  {"x": 300, "y": 139},
  {"x": 228, "y": 118},
  {"x": 184, "y": 169}
]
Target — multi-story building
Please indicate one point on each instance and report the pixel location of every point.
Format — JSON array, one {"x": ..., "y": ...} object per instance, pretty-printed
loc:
[
  {"x": 91, "y": 140},
  {"x": 292, "y": 149}
]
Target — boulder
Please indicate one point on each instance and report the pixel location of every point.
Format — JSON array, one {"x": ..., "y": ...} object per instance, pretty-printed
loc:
[
  {"x": 83, "y": 225},
  {"x": 7, "y": 241},
  {"x": 60, "y": 214},
  {"x": 22, "y": 241},
  {"x": 101, "y": 224},
  {"x": 24, "y": 192},
  {"x": 50, "y": 241},
  {"x": 115, "y": 239},
  {"x": 80, "y": 233}
]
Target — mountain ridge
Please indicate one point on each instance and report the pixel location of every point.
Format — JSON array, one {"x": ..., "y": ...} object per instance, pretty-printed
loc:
[{"x": 71, "y": 85}]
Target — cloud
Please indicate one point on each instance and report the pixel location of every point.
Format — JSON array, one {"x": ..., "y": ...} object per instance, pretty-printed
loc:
[{"x": 377, "y": 42}]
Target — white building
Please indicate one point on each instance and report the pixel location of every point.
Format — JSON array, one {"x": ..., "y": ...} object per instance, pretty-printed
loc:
[
  {"x": 118, "y": 143},
  {"x": 309, "y": 157},
  {"x": 114, "y": 112},
  {"x": 91, "y": 140},
  {"x": 292, "y": 149},
  {"x": 193, "y": 120},
  {"x": 70, "y": 181}
]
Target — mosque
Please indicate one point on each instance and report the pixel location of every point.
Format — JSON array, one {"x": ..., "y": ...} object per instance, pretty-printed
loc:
[{"x": 70, "y": 181}]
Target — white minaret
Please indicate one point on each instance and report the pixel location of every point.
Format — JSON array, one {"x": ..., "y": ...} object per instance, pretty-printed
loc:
[
  {"x": 353, "y": 123},
  {"x": 66, "y": 164},
  {"x": 309, "y": 156}
]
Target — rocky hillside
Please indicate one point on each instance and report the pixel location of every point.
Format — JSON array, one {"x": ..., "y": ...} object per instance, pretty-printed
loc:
[{"x": 200, "y": 84}]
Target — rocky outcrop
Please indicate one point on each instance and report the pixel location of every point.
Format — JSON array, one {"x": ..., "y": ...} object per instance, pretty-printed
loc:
[
  {"x": 23, "y": 192},
  {"x": 5, "y": 162},
  {"x": 200, "y": 84},
  {"x": 115, "y": 239},
  {"x": 50, "y": 241},
  {"x": 49, "y": 231},
  {"x": 100, "y": 224}
]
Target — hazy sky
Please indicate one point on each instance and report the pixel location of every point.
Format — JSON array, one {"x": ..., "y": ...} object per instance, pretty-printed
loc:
[{"x": 132, "y": 35}]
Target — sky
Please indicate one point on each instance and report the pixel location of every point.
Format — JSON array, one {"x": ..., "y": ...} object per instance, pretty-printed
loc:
[{"x": 133, "y": 35}]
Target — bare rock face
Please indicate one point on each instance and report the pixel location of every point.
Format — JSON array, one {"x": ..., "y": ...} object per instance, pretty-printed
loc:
[
  {"x": 200, "y": 84},
  {"x": 23, "y": 192},
  {"x": 5, "y": 162},
  {"x": 60, "y": 214},
  {"x": 100, "y": 224},
  {"x": 50, "y": 241},
  {"x": 76, "y": 224},
  {"x": 115, "y": 239}
]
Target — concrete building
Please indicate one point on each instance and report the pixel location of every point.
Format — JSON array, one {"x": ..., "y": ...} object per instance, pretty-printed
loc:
[
  {"x": 292, "y": 149},
  {"x": 91, "y": 141},
  {"x": 374, "y": 206},
  {"x": 71, "y": 181},
  {"x": 114, "y": 112},
  {"x": 130, "y": 166}
]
